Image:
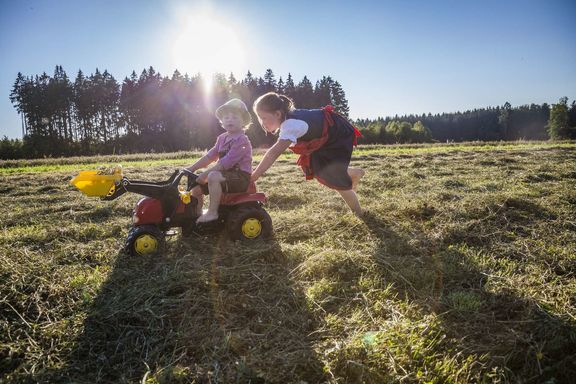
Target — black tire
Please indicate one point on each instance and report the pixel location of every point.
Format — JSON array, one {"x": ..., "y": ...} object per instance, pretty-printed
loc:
[
  {"x": 142, "y": 237},
  {"x": 249, "y": 223}
]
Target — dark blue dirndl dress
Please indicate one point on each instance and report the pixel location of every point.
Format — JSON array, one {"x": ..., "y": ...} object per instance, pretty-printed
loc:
[{"x": 329, "y": 163}]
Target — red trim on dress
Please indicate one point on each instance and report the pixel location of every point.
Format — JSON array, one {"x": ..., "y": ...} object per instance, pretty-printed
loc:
[{"x": 306, "y": 148}]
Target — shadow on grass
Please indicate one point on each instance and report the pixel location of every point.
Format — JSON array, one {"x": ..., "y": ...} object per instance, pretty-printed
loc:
[
  {"x": 513, "y": 338},
  {"x": 205, "y": 312}
]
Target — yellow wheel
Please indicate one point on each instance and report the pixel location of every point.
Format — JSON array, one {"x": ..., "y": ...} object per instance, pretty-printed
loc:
[
  {"x": 145, "y": 244},
  {"x": 251, "y": 228},
  {"x": 145, "y": 240},
  {"x": 249, "y": 223}
]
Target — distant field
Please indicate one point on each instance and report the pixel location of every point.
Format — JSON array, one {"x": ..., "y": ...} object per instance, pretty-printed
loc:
[
  {"x": 463, "y": 270},
  {"x": 183, "y": 158}
]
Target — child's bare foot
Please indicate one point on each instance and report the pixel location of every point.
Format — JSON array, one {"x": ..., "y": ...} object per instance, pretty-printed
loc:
[
  {"x": 208, "y": 216},
  {"x": 356, "y": 181},
  {"x": 355, "y": 174},
  {"x": 351, "y": 199}
]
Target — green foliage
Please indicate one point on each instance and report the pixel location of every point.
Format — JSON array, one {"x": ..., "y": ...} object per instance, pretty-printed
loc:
[
  {"x": 10, "y": 148},
  {"x": 399, "y": 132},
  {"x": 396, "y": 132},
  {"x": 558, "y": 125},
  {"x": 420, "y": 133},
  {"x": 526, "y": 122}
]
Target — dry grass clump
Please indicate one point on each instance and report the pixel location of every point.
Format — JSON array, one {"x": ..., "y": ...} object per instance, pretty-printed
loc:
[{"x": 462, "y": 270}]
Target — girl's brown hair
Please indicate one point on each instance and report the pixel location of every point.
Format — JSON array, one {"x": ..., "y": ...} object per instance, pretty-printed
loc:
[{"x": 272, "y": 102}]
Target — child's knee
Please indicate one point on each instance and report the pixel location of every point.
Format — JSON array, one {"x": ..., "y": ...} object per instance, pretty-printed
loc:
[{"x": 215, "y": 177}]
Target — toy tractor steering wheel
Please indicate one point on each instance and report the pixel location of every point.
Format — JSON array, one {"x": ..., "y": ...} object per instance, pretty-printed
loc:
[{"x": 191, "y": 178}]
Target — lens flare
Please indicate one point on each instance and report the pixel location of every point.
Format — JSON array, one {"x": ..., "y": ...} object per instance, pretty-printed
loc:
[{"x": 207, "y": 45}]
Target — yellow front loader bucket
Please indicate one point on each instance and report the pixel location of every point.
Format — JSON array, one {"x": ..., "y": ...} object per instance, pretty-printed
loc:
[{"x": 94, "y": 183}]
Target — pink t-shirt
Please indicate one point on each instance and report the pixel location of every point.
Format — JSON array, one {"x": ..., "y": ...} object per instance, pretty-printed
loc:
[{"x": 234, "y": 150}]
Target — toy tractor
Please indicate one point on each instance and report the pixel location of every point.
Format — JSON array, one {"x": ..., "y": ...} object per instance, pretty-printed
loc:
[{"x": 166, "y": 206}]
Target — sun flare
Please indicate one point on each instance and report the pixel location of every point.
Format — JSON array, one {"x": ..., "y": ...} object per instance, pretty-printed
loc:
[{"x": 207, "y": 46}]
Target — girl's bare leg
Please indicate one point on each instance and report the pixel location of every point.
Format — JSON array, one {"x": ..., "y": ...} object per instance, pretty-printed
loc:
[
  {"x": 355, "y": 174},
  {"x": 351, "y": 199}
]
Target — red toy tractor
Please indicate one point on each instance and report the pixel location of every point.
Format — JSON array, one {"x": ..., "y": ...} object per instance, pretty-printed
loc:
[{"x": 166, "y": 206}]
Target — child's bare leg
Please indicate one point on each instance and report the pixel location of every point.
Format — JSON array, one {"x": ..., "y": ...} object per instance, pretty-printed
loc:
[
  {"x": 215, "y": 188},
  {"x": 355, "y": 174},
  {"x": 197, "y": 193},
  {"x": 351, "y": 199}
]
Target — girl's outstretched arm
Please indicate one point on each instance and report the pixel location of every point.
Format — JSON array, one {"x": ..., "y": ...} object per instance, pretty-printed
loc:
[{"x": 270, "y": 157}]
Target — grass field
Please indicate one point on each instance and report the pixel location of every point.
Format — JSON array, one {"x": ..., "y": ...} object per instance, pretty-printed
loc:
[{"x": 463, "y": 270}]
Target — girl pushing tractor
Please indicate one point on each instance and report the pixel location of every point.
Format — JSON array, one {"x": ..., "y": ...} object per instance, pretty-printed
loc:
[{"x": 323, "y": 139}]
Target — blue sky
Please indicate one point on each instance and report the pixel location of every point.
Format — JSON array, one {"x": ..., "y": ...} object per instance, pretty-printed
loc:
[{"x": 391, "y": 57}]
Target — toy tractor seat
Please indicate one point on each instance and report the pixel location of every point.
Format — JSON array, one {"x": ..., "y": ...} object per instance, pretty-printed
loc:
[{"x": 251, "y": 194}]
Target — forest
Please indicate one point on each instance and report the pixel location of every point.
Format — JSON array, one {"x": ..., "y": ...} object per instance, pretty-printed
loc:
[
  {"x": 95, "y": 114},
  {"x": 501, "y": 123}
]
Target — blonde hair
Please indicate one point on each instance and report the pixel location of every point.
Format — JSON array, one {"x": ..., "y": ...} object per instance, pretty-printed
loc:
[{"x": 272, "y": 102}]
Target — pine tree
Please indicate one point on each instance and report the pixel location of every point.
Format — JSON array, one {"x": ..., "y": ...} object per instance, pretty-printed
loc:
[
  {"x": 44, "y": 123},
  {"x": 290, "y": 88},
  {"x": 504, "y": 119},
  {"x": 304, "y": 97},
  {"x": 220, "y": 90},
  {"x": 280, "y": 86},
  {"x": 109, "y": 103},
  {"x": 81, "y": 110},
  {"x": 323, "y": 92},
  {"x": 249, "y": 81},
  {"x": 18, "y": 99},
  {"x": 572, "y": 114},
  {"x": 128, "y": 105},
  {"x": 261, "y": 86},
  {"x": 60, "y": 94},
  {"x": 339, "y": 99},
  {"x": 269, "y": 81},
  {"x": 231, "y": 80},
  {"x": 558, "y": 127}
]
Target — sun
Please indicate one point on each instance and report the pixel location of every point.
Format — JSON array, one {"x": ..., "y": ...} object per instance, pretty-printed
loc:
[{"x": 207, "y": 46}]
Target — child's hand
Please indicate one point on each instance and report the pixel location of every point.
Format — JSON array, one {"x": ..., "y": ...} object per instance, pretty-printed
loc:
[{"x": 202, "y": 178}]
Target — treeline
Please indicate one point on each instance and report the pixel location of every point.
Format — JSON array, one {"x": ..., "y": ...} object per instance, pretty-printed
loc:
[
  {"x": 529, "y": 122},
  {"x": 393, "y": 131},
  {"x": 95, "y": 114}
]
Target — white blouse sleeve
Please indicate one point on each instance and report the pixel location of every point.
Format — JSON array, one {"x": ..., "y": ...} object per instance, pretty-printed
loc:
[{"x": 292, "y": 129}]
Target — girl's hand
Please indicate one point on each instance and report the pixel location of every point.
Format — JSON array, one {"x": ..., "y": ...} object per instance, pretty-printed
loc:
[{"x": 270, "y": 157}]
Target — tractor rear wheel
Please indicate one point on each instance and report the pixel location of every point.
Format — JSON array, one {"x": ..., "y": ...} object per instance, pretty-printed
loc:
[
  {"x": 249, "y": 223},
  {"x": 145, "y": 240}
]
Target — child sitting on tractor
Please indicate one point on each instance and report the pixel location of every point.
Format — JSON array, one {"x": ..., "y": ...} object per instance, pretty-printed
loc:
[{"x": 233, "y": 153}]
